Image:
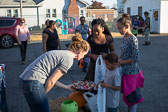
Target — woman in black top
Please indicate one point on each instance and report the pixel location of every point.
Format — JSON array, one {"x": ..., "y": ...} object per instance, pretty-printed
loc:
[
  {"x": 101, "y": 42},
  {"x": 51, "y": 40}
]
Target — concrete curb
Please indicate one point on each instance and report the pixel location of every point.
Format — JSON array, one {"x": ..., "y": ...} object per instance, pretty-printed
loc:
[{"x": 38, "y": 37}]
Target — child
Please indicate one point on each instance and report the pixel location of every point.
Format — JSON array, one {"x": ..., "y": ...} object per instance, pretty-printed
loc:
[
  {"x": 132, "y": 78},
  {"x": 112, "y": 82}
]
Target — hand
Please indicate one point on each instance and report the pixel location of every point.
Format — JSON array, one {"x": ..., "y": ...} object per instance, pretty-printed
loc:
[
  {"x": 120, "y": 62},
  {"x": 103, "y": 85},
  {"x": 103, "y": 54},
  {"x": 94, "y": 57},
  {"x": 70, "y": 87},
  {"x": 28, "y": 41},
  {"x": 19, "y": 42}
]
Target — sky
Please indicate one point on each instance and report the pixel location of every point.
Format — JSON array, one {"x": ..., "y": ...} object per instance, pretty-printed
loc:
[{"x": 105, "y": 2}]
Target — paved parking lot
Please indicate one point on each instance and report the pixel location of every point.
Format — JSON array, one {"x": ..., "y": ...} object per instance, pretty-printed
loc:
[{"x": 153, "y": 62}]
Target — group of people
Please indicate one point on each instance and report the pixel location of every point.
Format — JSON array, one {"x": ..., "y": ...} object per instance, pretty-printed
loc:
[{"x": 123, "y": 72}]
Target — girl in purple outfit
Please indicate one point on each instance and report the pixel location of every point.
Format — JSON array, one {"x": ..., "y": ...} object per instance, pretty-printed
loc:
[{"x": 132, "y": 78}]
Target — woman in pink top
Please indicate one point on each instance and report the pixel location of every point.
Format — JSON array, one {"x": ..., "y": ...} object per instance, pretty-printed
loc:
[{"x": 22, "y": 36}]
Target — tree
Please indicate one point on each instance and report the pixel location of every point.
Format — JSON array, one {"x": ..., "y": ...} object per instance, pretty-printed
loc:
[{"x": 96, "y": 5}]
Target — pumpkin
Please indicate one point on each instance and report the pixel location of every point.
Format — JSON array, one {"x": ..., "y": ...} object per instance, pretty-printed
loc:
[{"x": 78, "y": 97}]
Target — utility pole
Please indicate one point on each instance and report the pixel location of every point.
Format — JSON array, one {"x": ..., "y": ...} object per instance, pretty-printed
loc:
[{"x": 21, "y": 8}]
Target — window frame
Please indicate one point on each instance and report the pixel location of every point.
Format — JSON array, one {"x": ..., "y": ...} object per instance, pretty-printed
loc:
[
  {"x": 48, "y": 13},
  {"x": 54, "y": 13}
]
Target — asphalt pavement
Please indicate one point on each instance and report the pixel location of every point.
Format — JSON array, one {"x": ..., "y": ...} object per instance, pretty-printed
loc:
[{"x": 153, "y": 62}]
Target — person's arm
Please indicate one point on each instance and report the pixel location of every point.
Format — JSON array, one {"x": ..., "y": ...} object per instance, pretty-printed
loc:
[
  {"x": 44, "y": 41},
  {"x": 92, "y": 56},
  {"x": 59, "y": 44},
  {"x": 61, "y": 85},
  {"x": 105, "y": 85},
  {"x": 111, "y": 43},
  {"x": 52, "y": 80},
  {"x": 17, "y": 35},
  {"x": 88, "y": 32},
  {"x": 28, "y": 35}
]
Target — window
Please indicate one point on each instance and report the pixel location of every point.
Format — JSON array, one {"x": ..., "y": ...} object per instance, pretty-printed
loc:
[
  {"x": 15, "y": 12},
  {"x": 94, "y": 16},
  {"x": 9, "y": 13},
  {"x": 129, "y": 10},
  {"x": 48, "y": 13},
  {"x": 140, "y": 11},
  {"x": 155, "y": 15},
  {"x": 81, "y": 13},
  {"x": 5, "y": 23},
  {"x": 86, "y": 14},
  {"x": 54, "y": 13}
]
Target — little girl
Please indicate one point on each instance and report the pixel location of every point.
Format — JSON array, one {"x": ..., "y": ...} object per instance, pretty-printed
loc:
[
  {"x": 112, "y": 82},
  {"x": 132, "y": 78}
]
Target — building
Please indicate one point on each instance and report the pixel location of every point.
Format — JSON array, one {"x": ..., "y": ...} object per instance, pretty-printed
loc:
[
  {"x": 106, "y": 14},
  {"x": 157, "y": 9},
  {"x": 120, "y": 6},
  {"x": 12, "y": 8},
  {"x": 36, "y": 12}
]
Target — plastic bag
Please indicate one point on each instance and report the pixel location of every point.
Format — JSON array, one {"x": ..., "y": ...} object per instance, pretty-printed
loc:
[
  {"x": 91, "y": 100},
  {"x": 101, "y": 99},
  {"x": 99, "y": 70}
]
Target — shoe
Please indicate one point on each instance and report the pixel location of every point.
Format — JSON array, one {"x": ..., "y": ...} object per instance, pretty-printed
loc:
[
  {"x": 148, "y": 43},
  {"x": 145, "y": 44},
  {"x": 23, "y": 62},
  {"x": 84, "y": 70}
]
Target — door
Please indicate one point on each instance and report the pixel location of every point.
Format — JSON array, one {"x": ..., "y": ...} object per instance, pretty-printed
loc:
[{"x": 154, "y": 21}]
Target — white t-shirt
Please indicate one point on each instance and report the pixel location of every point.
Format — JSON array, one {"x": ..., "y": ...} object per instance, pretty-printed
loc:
[{"x": 113, "y": 78}]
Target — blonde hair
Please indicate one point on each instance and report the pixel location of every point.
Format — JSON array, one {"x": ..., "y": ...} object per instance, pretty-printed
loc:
[
  {"x": 22, "y": 19},
  {"x": 79, "y": 44}
]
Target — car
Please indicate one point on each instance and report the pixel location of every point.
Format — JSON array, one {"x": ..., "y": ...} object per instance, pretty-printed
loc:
[
  {"x": 137, "y": 24},
  {"x": 7, "y": 31}
]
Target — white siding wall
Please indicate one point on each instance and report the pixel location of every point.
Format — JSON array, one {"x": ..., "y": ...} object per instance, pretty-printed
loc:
[
  {"x": 30, "y": 14},
  {"x": 51, "y": 4},
  {"x": 147, "y": 5},
  {"x": 3, "y": 12},
  {"x": 164, "y": 17}
]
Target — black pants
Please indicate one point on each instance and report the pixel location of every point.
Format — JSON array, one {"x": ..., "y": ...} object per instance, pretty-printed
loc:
[{"x": 23, "y": 48}]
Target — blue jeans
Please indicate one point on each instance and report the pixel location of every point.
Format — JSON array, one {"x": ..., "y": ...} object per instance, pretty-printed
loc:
[
  {"x": 112, "y": 109},
  {"x": 35, "y": 95}
]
